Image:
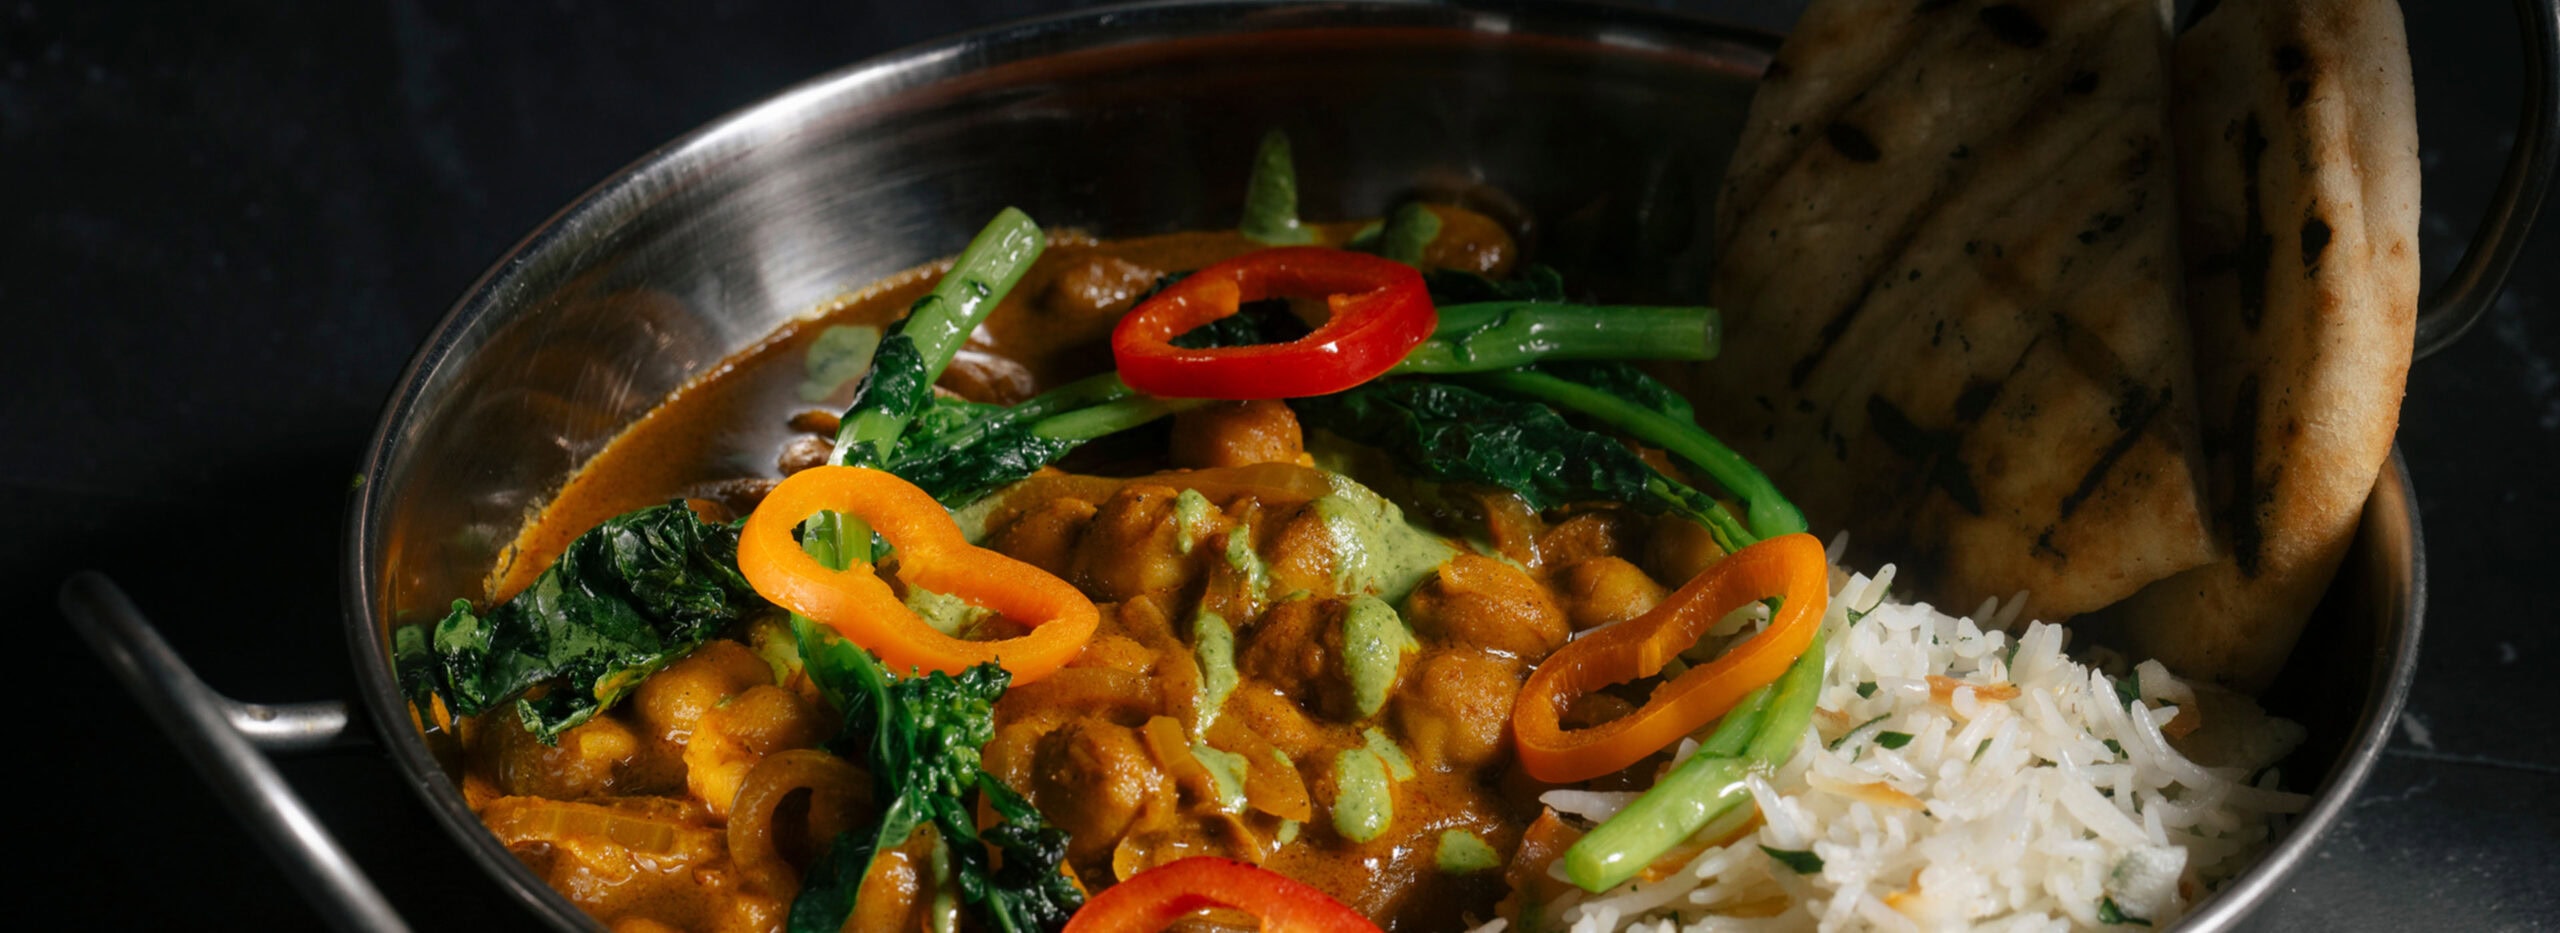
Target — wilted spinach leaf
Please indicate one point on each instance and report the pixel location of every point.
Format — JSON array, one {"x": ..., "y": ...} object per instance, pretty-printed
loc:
[
  {"x": 1531, "y": 283},
  {"x": 625, "y": 598},
  {"x": 920, "y": 740},
  {"x": 1455, "y": 434}
]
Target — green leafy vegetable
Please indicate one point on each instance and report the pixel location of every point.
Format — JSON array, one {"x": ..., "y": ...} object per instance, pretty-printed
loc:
[
  {"x": 1866, "y": 689},
  {"x": 625, "y": 598},
  {"x": 413, "y": 664},
  {"x": 959, "y": 451},
  {"x": 2129, "y": 688},
  {"x": 1457, "y": 287},
  {"x": 1254, "y": 324},
  {"x": 1271, "y": 196},
  {"x": 1799, "y": 861},
  {"x": 900, "y": 385},
  {"x": 1771, "y": 515},
  {"x": 1855, "y": 731},
  {"x": 1893, "y": 739},
  {"x": 2109, "y": 913},
  {"x": 920, "y": 739},
  {"x": 1454, "y": 434}
]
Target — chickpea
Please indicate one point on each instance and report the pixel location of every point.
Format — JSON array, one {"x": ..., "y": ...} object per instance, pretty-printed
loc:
[
  {"x": 1585, "y": 535},
  {"x": 586, "y": 763},
  {"x": 1601, "y": 590},
  {"x": 1284, "y": 649},
  {"x": 1678, "y": 550},
  {"x": 1098, "y": 287},
  {"x": 895, "y": 891},
  {"x": 979, "y": 375},
  {"x": 1481, "y": 602},
  {"x": 803, "y": 452},
  {"x": 1301, "y": 554},
  {"x": 1132, "y": 547},
  {"x": 1456, "y": 712},
  {"x": 1231, "y": 434},
  {"x": 1095, "y": 778},
  {"x": 1299, "y": 648},
  {"x": 673, "y": 700},
  {"x": 1470, "y": 241},
  {"x": 1045, "y": 536},
  {"x": 1271, "y": 716}
]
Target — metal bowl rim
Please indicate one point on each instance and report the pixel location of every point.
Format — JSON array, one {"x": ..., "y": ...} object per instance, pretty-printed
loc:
[{"x": 622, "y": 195}]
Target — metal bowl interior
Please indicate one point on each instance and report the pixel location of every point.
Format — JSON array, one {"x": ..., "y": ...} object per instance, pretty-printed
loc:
[{"x": 1602, "y": 132}]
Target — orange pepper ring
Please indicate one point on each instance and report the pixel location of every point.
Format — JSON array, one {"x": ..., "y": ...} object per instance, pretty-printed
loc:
[
  {"x": 1639, "y": 647},
  {"x": 932, "y": 555}
]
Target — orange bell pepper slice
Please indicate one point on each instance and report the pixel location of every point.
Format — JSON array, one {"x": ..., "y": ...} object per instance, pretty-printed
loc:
[
  {"x": 931, "y": 554},
  {"x": 1153, "y": 899},
  {"x": 1790, "y": 567}
]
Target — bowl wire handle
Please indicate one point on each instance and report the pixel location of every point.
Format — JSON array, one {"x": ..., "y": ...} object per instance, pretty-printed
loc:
[
  {"x": 2458, "y": 303},
  {"x": 223, "y": 738}
]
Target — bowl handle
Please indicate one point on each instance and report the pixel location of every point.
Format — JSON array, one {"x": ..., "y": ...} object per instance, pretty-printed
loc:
[
  {"x": 223, "y": 738},
  {"x": 2458, "y": 303}
]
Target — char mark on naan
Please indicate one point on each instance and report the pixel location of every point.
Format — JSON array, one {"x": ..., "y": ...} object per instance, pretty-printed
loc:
[
  {"x": 1948, "y": 265},
  {"x": 2296, "y": 128}
]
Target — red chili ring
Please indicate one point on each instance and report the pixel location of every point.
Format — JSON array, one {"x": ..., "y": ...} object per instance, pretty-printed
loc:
[{"x": 1380, "y": 312}]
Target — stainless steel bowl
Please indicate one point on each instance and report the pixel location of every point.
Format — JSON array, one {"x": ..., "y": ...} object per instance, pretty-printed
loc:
[{"x": 1603, "y": 131}]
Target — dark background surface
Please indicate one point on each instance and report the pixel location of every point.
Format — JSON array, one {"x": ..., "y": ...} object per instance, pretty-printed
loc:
[{"x": 226, "y": 231}]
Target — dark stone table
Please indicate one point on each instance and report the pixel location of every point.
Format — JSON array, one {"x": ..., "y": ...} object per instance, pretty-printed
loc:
[{"x": 227, "y": 226}]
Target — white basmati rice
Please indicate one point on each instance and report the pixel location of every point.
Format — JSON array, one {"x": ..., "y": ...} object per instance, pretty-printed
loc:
[{"x": 2032, "y": 811}]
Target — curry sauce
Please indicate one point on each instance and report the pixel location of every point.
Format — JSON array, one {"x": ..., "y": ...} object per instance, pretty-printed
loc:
[{"x": 1291, "y": 670}]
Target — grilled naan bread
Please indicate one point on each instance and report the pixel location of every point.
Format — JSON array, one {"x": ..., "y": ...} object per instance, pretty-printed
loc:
[
  {"x": 2297, "y": 142},
  {"x": 1948, "y": 265}
]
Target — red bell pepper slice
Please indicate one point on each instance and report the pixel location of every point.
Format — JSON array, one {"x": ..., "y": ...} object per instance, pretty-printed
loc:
[
  {"x": 1155, "y": 898},
  {"x": 1381, "y": 311}
]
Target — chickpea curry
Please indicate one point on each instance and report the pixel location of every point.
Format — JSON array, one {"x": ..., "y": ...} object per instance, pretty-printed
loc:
[{"x": 1136, "y": 578}]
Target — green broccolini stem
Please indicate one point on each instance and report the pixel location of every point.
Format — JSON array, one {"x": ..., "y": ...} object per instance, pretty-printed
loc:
[
  {"x": 1113, "y": 417},
  {"x": 1733, "y": 733},
  {"x": 1083, "y": 393},
  {"x": 1088, "y": 392},
  {"x": 1771, "y": 515},
  {"x": 941, "y": 321},
  {"x": 1271, "y": 196},
  {"x": 1703, "y": 509},
  {"x": 1699, "y": 790},
  {"x": 1408, "y": 232},
  {"x": 1495, "y": 335},
  {"x": 1791, "y": 708},
  {"x": 935, "y": 327},
  {"x": 1760, "y": 733},
  {"x": 1695, "y": 792}
]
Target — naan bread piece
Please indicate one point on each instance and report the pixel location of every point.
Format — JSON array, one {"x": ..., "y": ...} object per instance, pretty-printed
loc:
[
  {"x": 2297, "y": 140},
  {"x": 1948, "y": 269}
]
